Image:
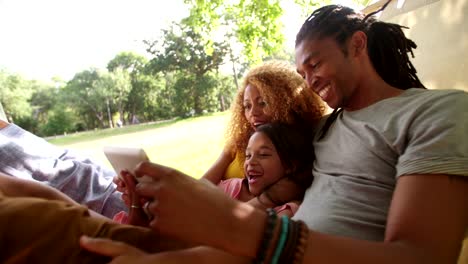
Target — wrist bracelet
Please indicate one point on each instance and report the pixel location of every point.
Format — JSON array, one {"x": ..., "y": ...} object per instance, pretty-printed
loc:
[
  {"x": 282, "y": 239},
  {"x": 302, "y": 243},
  {"x": 267, "y": 235},
  {"x": 287, "y": 255}
]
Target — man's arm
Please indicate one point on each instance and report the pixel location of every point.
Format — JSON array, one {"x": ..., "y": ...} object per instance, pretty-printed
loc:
[
  {"x": 426, "y": 224},
  {"x": 14, "y": 187},
  {"x": 216, "y": 172}
]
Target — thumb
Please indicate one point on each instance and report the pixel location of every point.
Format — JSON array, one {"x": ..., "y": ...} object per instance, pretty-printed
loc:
[{"x": 152, "y": 170}]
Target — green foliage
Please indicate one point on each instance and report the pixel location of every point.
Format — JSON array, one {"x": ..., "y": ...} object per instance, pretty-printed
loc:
[
  {"x": 14, "y": 95},
  {"x": 183, "y": 51},
  {"x": 255, "y": 24},
  {"x": 60, "y": 122},
  {"x": 259, "y": 28},
  {"x": 129, "y": 61},
  {"x": 88, "y": 96}
]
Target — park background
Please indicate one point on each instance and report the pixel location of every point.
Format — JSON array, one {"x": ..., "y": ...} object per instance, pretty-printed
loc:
[{"x": 167, "y": 87}]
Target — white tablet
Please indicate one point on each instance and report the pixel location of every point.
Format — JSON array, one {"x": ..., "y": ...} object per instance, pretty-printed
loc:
[{"x": 125, "y": 158}]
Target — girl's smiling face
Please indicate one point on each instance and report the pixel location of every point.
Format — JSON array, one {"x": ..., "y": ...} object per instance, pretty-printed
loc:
[{"x": 262, "y": 165}]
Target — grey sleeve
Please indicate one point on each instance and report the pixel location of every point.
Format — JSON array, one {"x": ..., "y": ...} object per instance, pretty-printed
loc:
[{"x": 436, "y": 138}]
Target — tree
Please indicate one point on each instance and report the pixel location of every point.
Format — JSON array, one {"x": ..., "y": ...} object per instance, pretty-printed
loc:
[
  {"x": 44, "y": 98},
  {"x": 88, "y": 97},
  {"x": 14, "y": 95},
  {"x": 61, "y": 121},
  {"x": 253, "y": 23},
  {"x": 129, "y": 61},
  {"x": 135, "y": 65},
  {"x": 183, "y": 50},
  {"x": 115, "y": 87}
]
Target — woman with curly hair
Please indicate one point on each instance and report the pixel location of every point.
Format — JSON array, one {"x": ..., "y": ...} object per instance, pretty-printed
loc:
[{"x": 271, "y": 92}]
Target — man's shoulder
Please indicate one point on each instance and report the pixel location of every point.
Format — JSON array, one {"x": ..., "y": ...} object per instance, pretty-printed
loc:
[
  {"x": 436, "y": 94},
  {"x": 422, "y": 100}
]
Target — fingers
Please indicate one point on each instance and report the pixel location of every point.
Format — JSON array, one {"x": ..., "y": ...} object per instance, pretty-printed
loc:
[
  {"x": 129, "y": 180},
  {"x": 153, "y": 170},
  {"x": 148, "y": 189},
  {"x": 120, "y": 183},
  {"x": 108, "y": 247},
  {"x": 126, "y": 199}
]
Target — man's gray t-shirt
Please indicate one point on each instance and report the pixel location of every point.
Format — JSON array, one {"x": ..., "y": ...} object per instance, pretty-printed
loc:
[{"x": 364, "y": 152}]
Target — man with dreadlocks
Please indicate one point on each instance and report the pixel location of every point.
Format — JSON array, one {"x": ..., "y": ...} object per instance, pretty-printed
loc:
[{"x": 390, "y": 176}]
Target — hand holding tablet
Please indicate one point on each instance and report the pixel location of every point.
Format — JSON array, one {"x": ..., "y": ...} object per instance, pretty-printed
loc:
[{"x": 125, "y": 158}]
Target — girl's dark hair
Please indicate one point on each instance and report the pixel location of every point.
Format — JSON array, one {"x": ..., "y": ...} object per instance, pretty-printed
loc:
[
  {"x": 293, "y": 143},
  {"x": 387, "y": 45}
]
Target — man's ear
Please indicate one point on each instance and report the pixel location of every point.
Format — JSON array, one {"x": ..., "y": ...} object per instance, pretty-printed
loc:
[{"x": 358, "y": 44}]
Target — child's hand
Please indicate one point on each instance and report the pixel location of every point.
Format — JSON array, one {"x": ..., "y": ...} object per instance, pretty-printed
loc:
[
  {"x": 136, "y": 215},
  {"x": 122, "y": 187}
]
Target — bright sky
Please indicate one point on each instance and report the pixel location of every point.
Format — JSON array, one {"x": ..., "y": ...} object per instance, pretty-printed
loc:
[
  {"x": 45, "y": 38},
  {"x": 40, "y": 39}
]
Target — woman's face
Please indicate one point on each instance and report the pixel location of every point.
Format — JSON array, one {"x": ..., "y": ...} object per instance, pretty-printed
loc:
[
  {"x": 255, "y": 107},
  {"x": 262, "y": 165}
]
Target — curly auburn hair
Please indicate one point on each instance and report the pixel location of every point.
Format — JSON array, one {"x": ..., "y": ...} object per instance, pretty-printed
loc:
[{"x": 288, "y": 101}]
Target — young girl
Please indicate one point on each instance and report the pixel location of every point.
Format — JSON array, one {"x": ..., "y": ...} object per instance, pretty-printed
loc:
[{"x": 274, "y": 151}]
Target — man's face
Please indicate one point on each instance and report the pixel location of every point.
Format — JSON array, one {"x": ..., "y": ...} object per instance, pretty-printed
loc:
[{"x": 327, "y": 70}]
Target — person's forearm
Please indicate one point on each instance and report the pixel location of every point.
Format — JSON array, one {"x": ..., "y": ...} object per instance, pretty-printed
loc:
[
  {"x": 40, "y": 190},
  {"x": 216, "y": 172},
  {"x": 23, "y": 188},
  {"x": 323, "y": 248},
  {"x": 246, "y": 230},
  {"x": 201, "y": 254}
]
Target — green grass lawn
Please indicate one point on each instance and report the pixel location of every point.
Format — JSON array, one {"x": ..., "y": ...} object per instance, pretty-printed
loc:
[{"x": 189, "y": 145}]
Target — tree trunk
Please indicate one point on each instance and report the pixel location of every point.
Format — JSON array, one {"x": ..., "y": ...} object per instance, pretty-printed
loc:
[
  {"x": 109, "y": 116},
  {"x": 234, "y": 72}
]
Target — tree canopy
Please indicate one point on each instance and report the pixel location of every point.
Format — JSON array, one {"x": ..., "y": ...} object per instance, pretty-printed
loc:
[{"x": 192, "y": 69}]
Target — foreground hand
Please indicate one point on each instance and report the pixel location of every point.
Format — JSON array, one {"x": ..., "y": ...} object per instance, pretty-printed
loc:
[
  {"x": 183, "y": 207},
  {"x": 123, "y": 253},
  {"x": 118, "y": 251}
]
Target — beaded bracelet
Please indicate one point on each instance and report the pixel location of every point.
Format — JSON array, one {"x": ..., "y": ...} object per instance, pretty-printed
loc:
[
  {"x": 290, "y": 246},
  {"x": 302, "y": 243},
  {"x": 282, "y": 239},
  {"x": 267, "y": 236}
]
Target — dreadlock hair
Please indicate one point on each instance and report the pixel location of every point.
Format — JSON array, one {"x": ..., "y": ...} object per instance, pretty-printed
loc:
[{"x": 387, "y": 45}]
